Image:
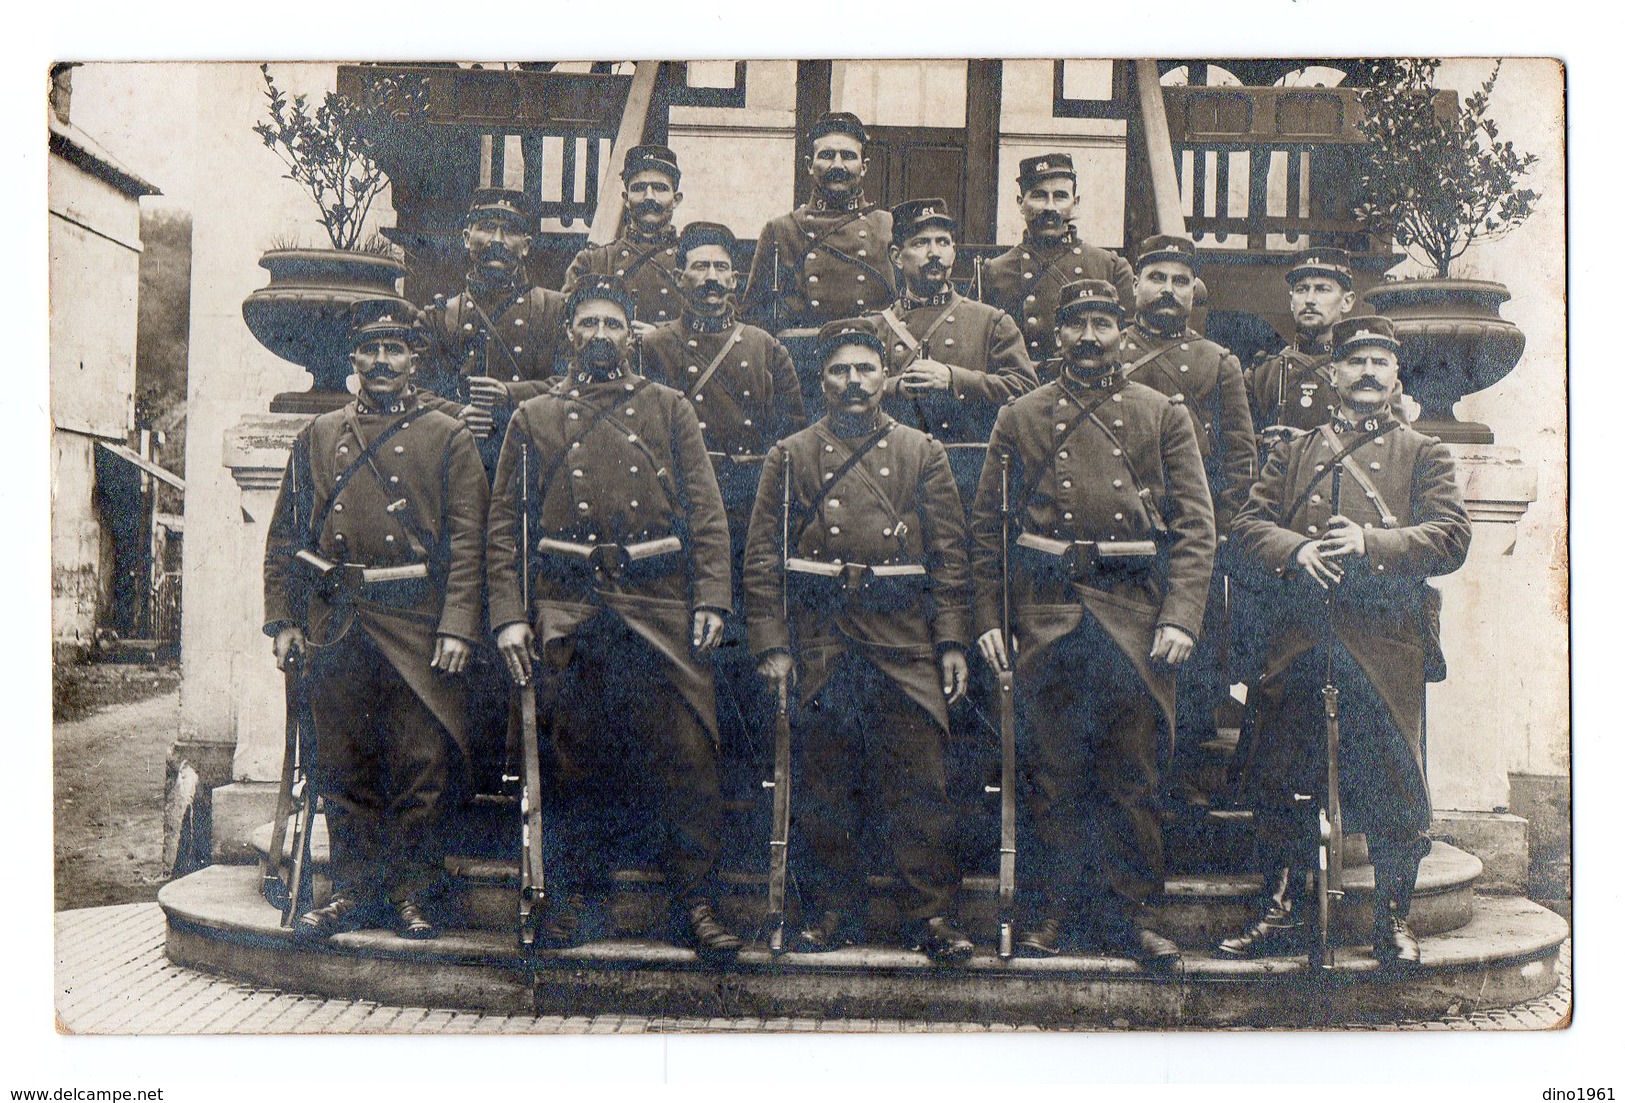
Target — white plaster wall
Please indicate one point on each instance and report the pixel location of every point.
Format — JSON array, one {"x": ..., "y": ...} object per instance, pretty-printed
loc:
[{"x": 189, "y": 126}]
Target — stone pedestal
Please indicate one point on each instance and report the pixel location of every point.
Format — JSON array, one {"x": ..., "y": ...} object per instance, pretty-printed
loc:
[
  {"x": 1469, "y": 749},
  {"x": 256, "y": 452}
]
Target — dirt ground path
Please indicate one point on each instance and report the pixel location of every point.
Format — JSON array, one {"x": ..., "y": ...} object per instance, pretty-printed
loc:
[{"x": 108, "y": 773}]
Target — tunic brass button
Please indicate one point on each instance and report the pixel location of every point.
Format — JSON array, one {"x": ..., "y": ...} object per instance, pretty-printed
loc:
[
  {"x": 399, "y": 450},
  {"x": 885, "y": 471},
  {"x": 394, "y": 478},
  {"x": 1184, "y": 367},
  {"x": 582, "y": 507},
  {"x": 1117, "y": 423},
  {"x": 1313, "y": 529},
  {"x": 633, "y": 469},
  {"x": 812, "y": 279},
  {"x": 631, "y": 438},
  {"x": 1077, "y": 271},
  {"x": 702, "y": 425},
  {"x": 517, "y": 349},
  {"x": 388, "y": 539},
  {"x": 862, "y": 278},
  {"x": 1117, "y": 483},
  {"x": 860, "y": 302},
  {"x": 664, "y": 290},
  {"x": 1066, "y": 484},
  {"x": 1375, "y": 466},
  {"x": 1377, "y": 441},
  {"x": 620, "y": 271},
  {"x": 1060, "y": 426},
  {"x": 1063, "y": 454},
  {"x": 886, "y": 531},
  {"x": 1314, "y": 499},
  {"x": 338, "y": 507},
  {"x": 747, "y": 421},
  {"x": 578, "y": 473},
  {"x": 1077, "y": 250},
  {"x": 1032, "y": 322},
  {"x": 812, "y": 256},
  {"x": 863, "y": 252},
  {"x": 1066, "y": 516},
  {"x": 344, "y": 449},
  {"x": 834, "y": 503},
  {"x": 630, "y": 411},
  {"x": 829, "y": 448},
  {"x": 814, "y": 302},
  {"x": 1117, "y": 451},
  {"x": 519, "y": 321},
  {"x": 1026, "y": 275},
  {"x": 574, "y": 416},
  {"x": 950, "y": 341},
  {"x": 882, "y": 444},
  {"x": 1117, "y": 516},
  {"x": 1117, "y": 398},
  {"x": 516, "y": 379},
  {"x": 950, "y": 321},
  {"x": 693, "y": 369},
  {"x": 835, "y": 530},
  {"x": 633, "y": 503}
]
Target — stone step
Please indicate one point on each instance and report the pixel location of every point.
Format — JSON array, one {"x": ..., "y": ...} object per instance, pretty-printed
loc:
[
  {"x": 218, "y": 922},
  {"x": 1195, "y": 909}
]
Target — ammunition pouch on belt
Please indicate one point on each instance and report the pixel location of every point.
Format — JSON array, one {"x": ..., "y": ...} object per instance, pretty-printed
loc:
[
  {"x": 884, "y": 587},
  {"x": 1096, "y": 562},
  {"x": 401, "y": 586},
  {"x": 619, "y": 563}
]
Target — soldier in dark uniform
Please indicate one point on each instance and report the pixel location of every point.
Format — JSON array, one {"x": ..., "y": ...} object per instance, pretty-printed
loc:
[
  {"x": 1094, "y": 457},
  {"x": 1026, "y": 280},
  {"x": 644, "y": 256},
  {"x": 950, "y": 362},
  {"x": 1351, "y": 519},
  {"x": 499, "y": 340},
  {"x": 629, "y": 588},
  {"x": 745, "y": 393},
  {"x": 388, "y": 497},
  {"x": 1293, "y": 389},
  {"x": 878, "y": 620},
  {"x": 826, "y": 259},
  {"x": 1160, "y": 350}
]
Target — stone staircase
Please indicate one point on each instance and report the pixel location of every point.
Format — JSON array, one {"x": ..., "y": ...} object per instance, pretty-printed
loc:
[{"x": 1479, "y": 951}]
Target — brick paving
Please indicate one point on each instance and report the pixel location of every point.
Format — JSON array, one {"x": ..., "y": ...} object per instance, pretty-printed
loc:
[{"x": 112, "y": 977}]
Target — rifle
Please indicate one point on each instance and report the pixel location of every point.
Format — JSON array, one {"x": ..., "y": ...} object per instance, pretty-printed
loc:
[
  {"x": 295, "y": 798},
  {"x": 1007, "y": 725},
  {"x": 774, "y": 308},
  {"x": 976, "y": 279},
  {"x": 778, "y": 847},
  {"x": 1329, "y": 875},
  {"x": 532, "y": 881}
]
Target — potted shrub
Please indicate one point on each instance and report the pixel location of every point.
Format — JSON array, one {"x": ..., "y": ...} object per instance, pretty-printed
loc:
[
  {"x": 330, "y": 151},
  {"x": 1437, "y": 178}
]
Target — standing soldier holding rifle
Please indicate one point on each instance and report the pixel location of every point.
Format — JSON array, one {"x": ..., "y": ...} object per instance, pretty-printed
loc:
[
  {"x": 499, "y": 340},
  {"x": 1109, "y": 565},
  {"x": 868, "y": 544},
  {"x": 1359, "y": 554},
  {"x": 629, "y": 590},
  {"x": 376, "y": 591}
]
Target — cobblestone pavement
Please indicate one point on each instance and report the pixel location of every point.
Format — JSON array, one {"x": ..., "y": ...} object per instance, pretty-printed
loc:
[{"x": 113, "y": 978}]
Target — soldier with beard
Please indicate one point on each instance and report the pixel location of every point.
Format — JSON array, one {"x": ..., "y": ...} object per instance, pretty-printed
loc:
[
  {"x": 950, "y": 362},
  {"x": 826, "y": 259},
  {"x": 1025, "y": 281},
  {"x": 644, "y": 256},
  {"x": 1293, "y": 389},
  {"x": 1350, "y": 520},
  {"x": 744, "y": 390},
  {"x": 1160, "y": 350},
  {"x": 869, "y": 604},
  {"x": 1094, "y": 459},
  {"x": 499, "y": 340},
  {"x": 373, "y": 565},
  {"x": 629, "y": 588}
]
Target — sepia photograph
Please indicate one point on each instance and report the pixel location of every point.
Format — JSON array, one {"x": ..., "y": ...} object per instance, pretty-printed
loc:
[{"x": 810, "y": 546}]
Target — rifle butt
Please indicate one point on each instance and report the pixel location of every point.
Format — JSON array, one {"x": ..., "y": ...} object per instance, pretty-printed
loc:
[{"x": 778, "y": 870}]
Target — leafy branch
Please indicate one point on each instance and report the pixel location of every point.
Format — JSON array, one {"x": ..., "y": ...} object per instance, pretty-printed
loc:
[
  {"x": 331, "y": 149},
  {"x": 1437, "y": 180}
]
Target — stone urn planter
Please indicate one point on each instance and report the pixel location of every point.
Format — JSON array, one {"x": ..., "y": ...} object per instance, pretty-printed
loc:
[
  {"x": 1454, "y": 342},
  {"x": 302, "y": 315}
]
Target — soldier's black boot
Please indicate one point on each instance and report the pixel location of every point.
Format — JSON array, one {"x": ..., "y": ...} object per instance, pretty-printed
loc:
[
  {"x": 709, "y": 936},
  {"x": 945, "y": 943},
  {"x": 1392, "y": 943},
  {"x": 411, "y": 922},
  {"x": 344, "y": 912},
  {"x": 830, "y": 931},
  {"x": 1394, "y": 875},
  {"x": 1277, "y": 930},
  {"x": 1043, "y": 939}
]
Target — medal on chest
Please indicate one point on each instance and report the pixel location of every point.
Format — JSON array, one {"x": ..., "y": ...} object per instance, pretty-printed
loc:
[{"x": 1306, "y": 398}]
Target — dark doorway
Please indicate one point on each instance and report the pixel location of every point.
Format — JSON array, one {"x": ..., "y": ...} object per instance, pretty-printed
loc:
[{"x": 913, "y": 162}]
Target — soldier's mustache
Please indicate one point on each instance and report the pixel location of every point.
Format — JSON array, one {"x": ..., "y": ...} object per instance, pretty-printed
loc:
[
  {"x": 648, "y": 206},
  {"x": 496, "y": 251},
  {"x": 712, "y": 287},
  {"x": 598, "y": 348},
  {"x": 838, "y": 176},
  {"x": 1088, "y": 350},
  {"x": 1370, "y": 381},
  {"x": 1048, "y": 219},
  {"x": 1166, "y": 300}
]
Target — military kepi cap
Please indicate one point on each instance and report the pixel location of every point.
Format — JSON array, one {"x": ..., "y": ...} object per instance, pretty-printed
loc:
[
  {"x": 838, "y": 122},
  {"x": 1368, "y": 329},
  {"x": 1084, "y": 295},
  {"x": 907, "y": 219},
  {"x": 696, "y": 234},
  {"x": 1328, "y": 261},
  {"x": 658, "y": 158},
  {"x": 849, "y": 331},
  {"x": 1166, "y": 247},
  {"x": 503, "y": 203},
  {"x": 371, "y": 319},
  {"x": 599, "y": 287},
  {"x": 1042, "y": 167}
]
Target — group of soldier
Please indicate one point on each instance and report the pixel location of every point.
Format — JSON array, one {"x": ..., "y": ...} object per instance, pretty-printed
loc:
[{"x": 615, "y": 485}]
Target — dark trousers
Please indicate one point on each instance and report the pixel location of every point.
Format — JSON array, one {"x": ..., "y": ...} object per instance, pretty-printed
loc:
[
  {"x": 859, "y": 742},
  {"x": 632, "y": 765},
  {"x": 382, "y": 761},
  {"x": 1089, "y": 773},
  {"x": 1203, "y": 682},
  {"x": 1381, "y": 789}
]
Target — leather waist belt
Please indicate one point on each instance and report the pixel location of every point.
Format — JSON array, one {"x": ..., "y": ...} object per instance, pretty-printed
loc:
[
  {"x": 614, "y": 560},
  {"x": 357, "y": 579},
  {"x": 854, "y": 576},
  {"x": 1093, "y": 555}
]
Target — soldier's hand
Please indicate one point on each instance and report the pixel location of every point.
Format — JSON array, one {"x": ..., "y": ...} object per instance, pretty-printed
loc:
[
  {"x": 1343, "y": 537},
  {"x": 926, "y": 375},
  {"x": 955, "y": 674},
  {"x": 1172, "y": 645},
  {"x": 478, "y": 420},
  {"x": 991, "y": 644},
  {"x": 778, "y": 669},
  {"x": 487, "y": 392},
  {"x": 707, "y": 630},
  {"x": 1325, "y": 571},
  {"x": 288, "y": 640},
  {"x": 517, "y": 645},
  {"x": 450, "y": 654},
  {"x": 640, "y": 330}
]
